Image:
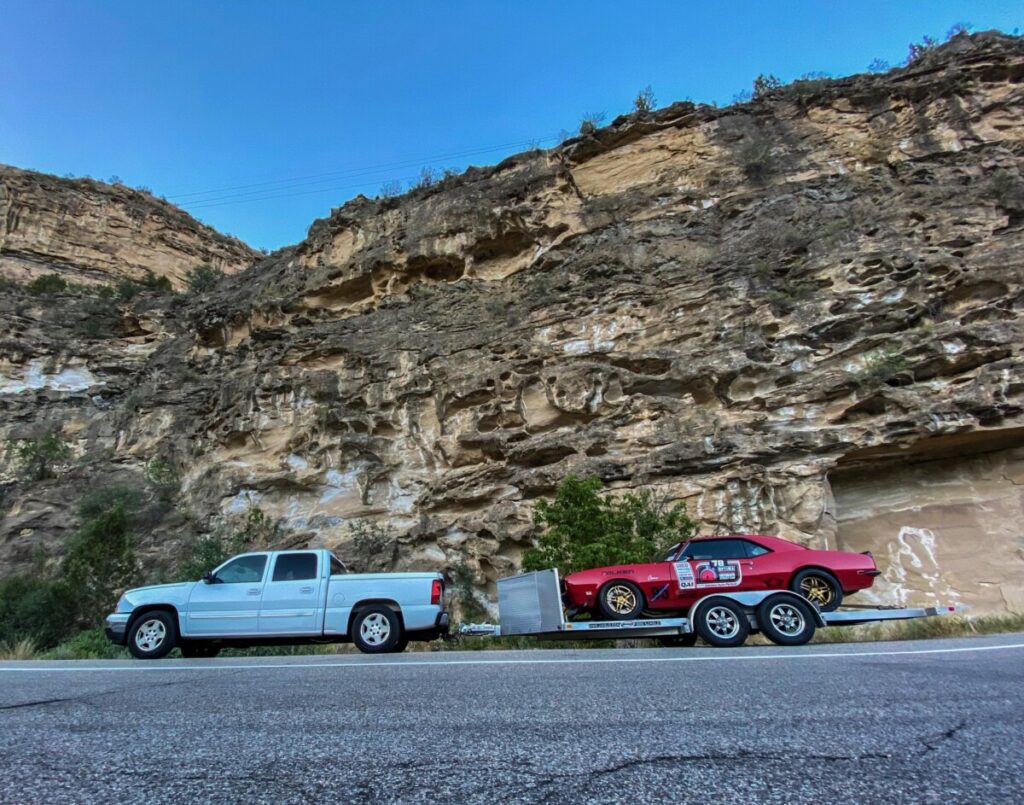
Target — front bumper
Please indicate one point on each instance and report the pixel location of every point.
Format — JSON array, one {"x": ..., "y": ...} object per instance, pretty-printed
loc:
[{"x": 116, "y": 627}]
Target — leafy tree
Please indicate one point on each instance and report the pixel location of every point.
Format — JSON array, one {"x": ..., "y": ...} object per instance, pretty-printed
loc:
[
  {"x": 100, "y": 560},
  {"x": 584, "y": 529},
  {"x": 38, "y": 459},
  {"x": 644, "y": 102},
  {"x": 203, "y": 278}
]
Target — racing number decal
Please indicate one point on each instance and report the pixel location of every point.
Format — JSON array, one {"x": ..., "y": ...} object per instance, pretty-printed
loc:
[{"x": 708, "y": 573}]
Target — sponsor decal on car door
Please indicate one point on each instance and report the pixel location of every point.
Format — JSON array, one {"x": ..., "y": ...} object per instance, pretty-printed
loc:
[{"x": 708, "y": 574}]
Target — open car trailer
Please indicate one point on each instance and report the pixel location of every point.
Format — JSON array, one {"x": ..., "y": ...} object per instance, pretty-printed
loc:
[{"x": 531, "y": 604}]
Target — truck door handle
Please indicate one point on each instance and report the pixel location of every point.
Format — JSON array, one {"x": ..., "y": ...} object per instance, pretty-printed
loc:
[
  {"x": 253, "y": 591},
  {"x": 305, "y": 589}
]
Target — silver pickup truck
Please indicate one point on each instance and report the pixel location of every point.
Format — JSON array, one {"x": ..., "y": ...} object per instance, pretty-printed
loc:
[{"x": 280, "y": 598}]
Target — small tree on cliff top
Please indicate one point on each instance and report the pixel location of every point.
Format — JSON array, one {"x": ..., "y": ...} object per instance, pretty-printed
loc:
[{"x": 583, "y": 529}]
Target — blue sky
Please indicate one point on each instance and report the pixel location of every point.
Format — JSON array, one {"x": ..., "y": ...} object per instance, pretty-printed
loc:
[{"x": 259, "y": 116}]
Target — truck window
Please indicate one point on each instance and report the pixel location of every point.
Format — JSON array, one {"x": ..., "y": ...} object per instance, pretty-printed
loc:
[
  {"x": 295, "y": 567},
  {"x": 243, "y": 570},
  {"x": 337, "y": 568}
]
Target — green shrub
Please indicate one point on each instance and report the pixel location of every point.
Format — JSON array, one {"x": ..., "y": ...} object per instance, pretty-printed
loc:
[
  {"x": 644, "y": 102},
  {"x": 472, "y": 611},
  {"x": 47, "y": 284},
  {"x": 882, "y": 365},
  {"x": 100, "y": 560},
  {"x": 203, "y": 278},
  {"x": 208, "y": 551},
  {"x": 91, "y": 644},
  {"x": 756, "y": 158},
  {"x": 764, "y": 85},
  {"x": 128, "y": 289},
  {"x": 32, "y": 608},
  {"x": 591, "y": 122},
  {"x": 582, "y": 529},
  {"x": 918, "y": 50},
  {"x": 162, "y": 478},
  {"x": 38, "y": 459}
]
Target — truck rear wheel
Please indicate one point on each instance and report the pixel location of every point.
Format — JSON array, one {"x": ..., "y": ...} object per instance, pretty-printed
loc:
[
  {"x": 722, "y": 623},
  {"x": 376, "y": 630},
  {"x": 786, "y": 620},
  {"x": 152, "y": 635}
]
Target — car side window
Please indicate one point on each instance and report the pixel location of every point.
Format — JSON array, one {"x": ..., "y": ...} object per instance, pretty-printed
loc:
[
  {"x": 717, "y": 549},
  {"x": 754, "y": 550},
  {"x": 337, "y": 568},
  {"x": 243, "y": 570},
  {"x": 295, "y": 567}
]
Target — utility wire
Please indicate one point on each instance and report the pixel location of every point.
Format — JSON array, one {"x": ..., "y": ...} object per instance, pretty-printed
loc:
[{"x": 319, "y": 178}]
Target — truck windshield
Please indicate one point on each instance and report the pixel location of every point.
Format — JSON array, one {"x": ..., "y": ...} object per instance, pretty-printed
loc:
[{"x": 337, "y": 568}]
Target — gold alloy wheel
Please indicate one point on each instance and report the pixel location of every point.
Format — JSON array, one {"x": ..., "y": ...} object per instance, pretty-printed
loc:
[
  {"x": 620, "y": 599},
  {"x": 816, "y": 590}
]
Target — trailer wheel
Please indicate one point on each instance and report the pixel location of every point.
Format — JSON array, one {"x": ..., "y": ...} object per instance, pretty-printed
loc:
[
  {"x": 620, "y": 601},
  {"x": 819, "y": 587},
  {"x": 722, "y": 623},
  {"x": 786, "y": 620},
  {"x": 376, "y": 630}
]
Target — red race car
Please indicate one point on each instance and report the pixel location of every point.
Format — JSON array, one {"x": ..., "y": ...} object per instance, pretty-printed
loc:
[{"x": 740, "y": 562}]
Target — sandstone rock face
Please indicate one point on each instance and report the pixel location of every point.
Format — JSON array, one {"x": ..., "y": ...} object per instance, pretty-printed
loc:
[
  {"x": 91, "y": 232},
  {"x": 800, "y": 315}
]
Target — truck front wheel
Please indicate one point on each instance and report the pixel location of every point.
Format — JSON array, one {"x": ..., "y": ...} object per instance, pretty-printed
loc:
[
  {"x": 376, "y": 630},
  {"x": 152, "y": 635}
]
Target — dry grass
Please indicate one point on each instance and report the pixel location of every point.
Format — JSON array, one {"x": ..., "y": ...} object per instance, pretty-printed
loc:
[{"x": 24, "y": 649}]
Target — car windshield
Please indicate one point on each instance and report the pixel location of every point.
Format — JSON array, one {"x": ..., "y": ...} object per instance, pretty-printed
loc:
[{"x": 671, "y": 553}]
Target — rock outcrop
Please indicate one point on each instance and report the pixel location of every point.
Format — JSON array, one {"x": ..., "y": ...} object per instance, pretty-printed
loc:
[
  {"x": 91, "y": 232},
  {"x": 800, "y": 315}
]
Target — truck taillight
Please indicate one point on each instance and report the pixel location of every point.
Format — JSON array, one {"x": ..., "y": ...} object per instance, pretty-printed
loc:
[{"x": 436, "y": 589}]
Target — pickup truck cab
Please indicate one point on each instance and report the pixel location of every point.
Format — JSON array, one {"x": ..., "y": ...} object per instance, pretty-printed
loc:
[{"x": 280, "y": 598}]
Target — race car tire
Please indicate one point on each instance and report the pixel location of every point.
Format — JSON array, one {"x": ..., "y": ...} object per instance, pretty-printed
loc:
[
  {"x": 786, "y": 620},
  {"x": 722, "y": 623},
  {"x": 376, "y": 629},
  {"x": 620, "y": 601},
  {"x": 819, "y": 587},
  {"x": 679, "y": 640}
]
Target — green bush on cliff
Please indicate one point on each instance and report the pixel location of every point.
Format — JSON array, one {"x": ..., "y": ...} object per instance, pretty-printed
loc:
[
  {"x": 583, "y": 528},
  {"x": 203, "y": 278},
  {"x": 39, "y": 459}
]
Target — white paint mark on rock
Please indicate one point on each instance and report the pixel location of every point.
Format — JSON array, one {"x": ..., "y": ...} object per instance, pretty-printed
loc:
[{"x": 35, "y": 376}]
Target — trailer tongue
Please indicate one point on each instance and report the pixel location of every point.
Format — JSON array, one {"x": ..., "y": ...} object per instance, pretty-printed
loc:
[{"x": 531, "y": 604}]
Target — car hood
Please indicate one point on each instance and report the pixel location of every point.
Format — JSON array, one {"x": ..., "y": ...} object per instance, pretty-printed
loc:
[{"x": 180, "y": 585}]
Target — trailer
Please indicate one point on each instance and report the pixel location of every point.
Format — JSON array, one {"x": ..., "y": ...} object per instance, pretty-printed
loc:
[{"x": 531, "y": 604}]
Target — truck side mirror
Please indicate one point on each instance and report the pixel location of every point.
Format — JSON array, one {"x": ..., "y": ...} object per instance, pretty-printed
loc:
[{"x": 208, "y": 577}]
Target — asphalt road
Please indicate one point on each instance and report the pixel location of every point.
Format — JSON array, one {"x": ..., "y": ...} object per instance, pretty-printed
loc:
[{"x": 936, "y": 721}]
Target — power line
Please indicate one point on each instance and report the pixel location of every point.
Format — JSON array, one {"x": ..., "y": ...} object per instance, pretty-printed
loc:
[{"x": 319, "y": 178}]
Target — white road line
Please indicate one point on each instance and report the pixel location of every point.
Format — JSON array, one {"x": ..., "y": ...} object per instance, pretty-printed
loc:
[{"x": 576, "y": 660}]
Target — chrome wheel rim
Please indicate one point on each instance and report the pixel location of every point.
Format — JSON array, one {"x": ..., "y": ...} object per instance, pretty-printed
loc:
[
  {"x": 816, "y": 590},
  {"x": 150, "y": 635},
  {"x": 722, "y": 622},
  {"x": 787, "y": 619},
  {"x": 375, "y": 629},
  {"x": 620, "y": 599}
]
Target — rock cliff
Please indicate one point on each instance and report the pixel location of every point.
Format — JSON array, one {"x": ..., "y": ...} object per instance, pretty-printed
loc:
[
  {"x": 801, "y": 315},
  {"x": 92, "y": 232}
]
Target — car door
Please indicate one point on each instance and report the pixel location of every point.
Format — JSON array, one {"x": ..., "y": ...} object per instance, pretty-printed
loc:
[
  {"x": 706, "y": 565},
  {"x": 228, "y": 605},
  {"x": 291, "y": 597}
]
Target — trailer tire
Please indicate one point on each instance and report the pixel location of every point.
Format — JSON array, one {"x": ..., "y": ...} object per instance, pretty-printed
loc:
[
  {"x": 620, "y": 601},
  {"x": 376, "y": 629},
  {"x": 819, "y": 587},
  {"x": 722, "y": 623},
  {"x": 786, "y": 620}
]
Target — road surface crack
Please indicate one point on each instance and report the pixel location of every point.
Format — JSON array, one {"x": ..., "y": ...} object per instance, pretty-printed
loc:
[{"x": 931, "y": 743}]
